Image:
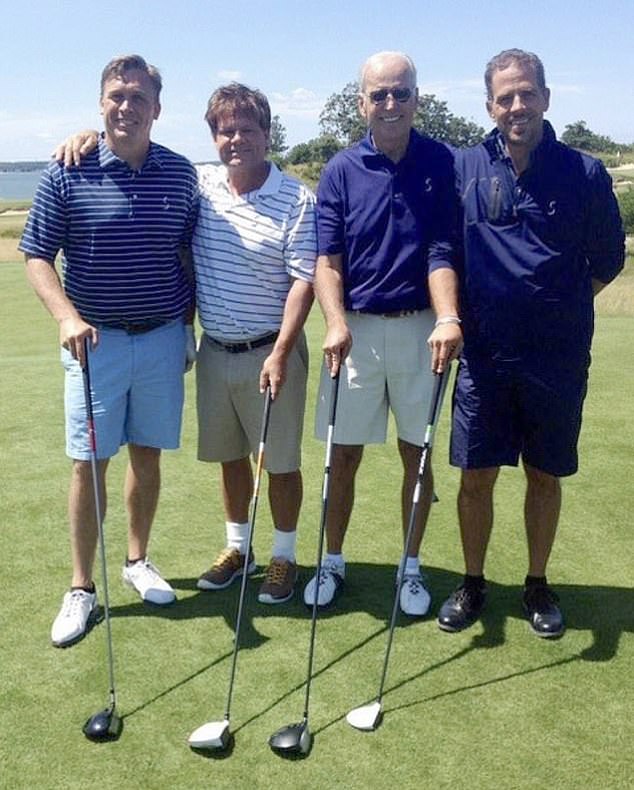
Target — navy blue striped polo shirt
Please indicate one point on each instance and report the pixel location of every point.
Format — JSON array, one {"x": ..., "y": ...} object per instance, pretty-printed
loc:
[{"x": 119, "y": 231}]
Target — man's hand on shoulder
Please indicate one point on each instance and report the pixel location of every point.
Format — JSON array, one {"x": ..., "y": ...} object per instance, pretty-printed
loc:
[{"x": 75, "y": 146}]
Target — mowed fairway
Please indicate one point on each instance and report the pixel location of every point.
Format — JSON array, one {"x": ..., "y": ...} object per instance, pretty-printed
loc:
[{"x": 493, "y": 707}]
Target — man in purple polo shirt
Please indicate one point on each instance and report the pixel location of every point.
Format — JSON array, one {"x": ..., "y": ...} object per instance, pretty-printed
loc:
[
  {"x": 385, "y": 216},
  {"x": 120, "y": 218}
]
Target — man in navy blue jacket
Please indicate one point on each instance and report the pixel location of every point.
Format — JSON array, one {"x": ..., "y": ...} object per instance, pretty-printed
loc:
[{"x": 542, "y": 236}]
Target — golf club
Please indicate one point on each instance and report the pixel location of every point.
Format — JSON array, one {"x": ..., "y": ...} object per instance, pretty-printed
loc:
[
  {"x": 296, "y": 739},
  {"x": 368, "y": 717},
  {"x": 216, "y": 735},
  {"x": 105, "y": 725}
]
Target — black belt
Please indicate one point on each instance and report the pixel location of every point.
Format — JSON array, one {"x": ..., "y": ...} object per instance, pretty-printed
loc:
[
  {"x": 247, "y": 345},
  {"x": 390, "y": 314},
  {"x": 133, "y": 327}
]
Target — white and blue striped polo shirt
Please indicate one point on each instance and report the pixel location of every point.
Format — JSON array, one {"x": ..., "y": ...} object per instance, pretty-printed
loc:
[
  {"x": 119, "y": 230},
  {"x": 248, "y": 249}
]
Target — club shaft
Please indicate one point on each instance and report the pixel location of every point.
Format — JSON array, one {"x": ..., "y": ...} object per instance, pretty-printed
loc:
[
  {"x": 92, "y": 439},
  {"x": 243, "y": 582},
  {"x": 334, "y": 390},
  {"x": 432, "y": 419}
]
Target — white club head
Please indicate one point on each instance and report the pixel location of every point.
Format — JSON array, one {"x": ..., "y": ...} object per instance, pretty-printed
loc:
[
  {"x": 365, "y": 717},
  {"x": 212, "y": 735}
]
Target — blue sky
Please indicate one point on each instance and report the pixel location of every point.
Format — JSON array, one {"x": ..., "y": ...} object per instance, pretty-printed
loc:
[{"x": 298, "y": 54}]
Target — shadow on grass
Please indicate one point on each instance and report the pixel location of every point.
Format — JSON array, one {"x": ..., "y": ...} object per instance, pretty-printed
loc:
[
  {"x": 604, "y": 611},
  {"x": 607, "y": 612},
  {"x": 460, "y": 689}
]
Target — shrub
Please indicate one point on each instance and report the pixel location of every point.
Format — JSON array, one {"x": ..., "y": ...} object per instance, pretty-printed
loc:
[{"x": 626, "y": 206}]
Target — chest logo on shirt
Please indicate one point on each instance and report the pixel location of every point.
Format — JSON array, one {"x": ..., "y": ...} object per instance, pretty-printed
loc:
[
  {"x": 428, "y": 184},
  {"x": 552, "y": 208}
]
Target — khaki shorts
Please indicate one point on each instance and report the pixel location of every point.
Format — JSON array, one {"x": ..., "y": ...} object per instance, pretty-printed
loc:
[
  {"x": 388, "y": 368},
  {"x": 230, "y": 406}
]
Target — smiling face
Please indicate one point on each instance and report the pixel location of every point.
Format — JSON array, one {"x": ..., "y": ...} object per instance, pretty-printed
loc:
[
  {"x": 517, "y": 105},
  {"x": 389, "y": 120},
  {"x": 241, "y": 142},
  {"x": 129, "y": 106}
]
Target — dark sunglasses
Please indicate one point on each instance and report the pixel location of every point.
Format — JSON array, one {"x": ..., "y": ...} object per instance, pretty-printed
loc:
[{"x": 400, "y": 95}]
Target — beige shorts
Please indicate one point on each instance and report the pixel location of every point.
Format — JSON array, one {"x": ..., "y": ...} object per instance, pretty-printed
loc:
[
  {"x": 230, "y": 406},
  {"x": 388, "y": 368}
]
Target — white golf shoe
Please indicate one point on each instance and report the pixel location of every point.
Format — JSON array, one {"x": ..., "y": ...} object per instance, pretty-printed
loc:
[
  {"x": 330, "y": 585},
  {"x": 79, "y": 609},
  {"x": 144, "y": 577},
  {"x": 414, "y": 598}
]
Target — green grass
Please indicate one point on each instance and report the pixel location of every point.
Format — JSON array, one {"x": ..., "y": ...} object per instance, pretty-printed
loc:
[{"x": 493, "y": 707}]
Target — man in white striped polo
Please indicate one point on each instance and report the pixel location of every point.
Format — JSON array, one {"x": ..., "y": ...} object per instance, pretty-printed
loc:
[
  {"x": 254, "y": 258},
  {"x": 120, "y": 218}
]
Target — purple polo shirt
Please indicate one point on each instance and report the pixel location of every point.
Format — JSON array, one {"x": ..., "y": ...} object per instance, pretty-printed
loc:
[{"x": 392, "y": 223}]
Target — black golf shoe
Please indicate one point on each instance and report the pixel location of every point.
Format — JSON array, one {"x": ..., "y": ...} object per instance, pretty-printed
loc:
[
  {"x": 462, "y": 608},
  {"x": 541, "y": 610}
]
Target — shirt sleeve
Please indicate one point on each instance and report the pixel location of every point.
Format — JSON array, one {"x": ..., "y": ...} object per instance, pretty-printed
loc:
[
  {"x": 330, "y": 220},
  {"x": 193, "y": 206},
  {"x": 444, "y": 245},
  {"x": 300, "y": 246},
  {"x": 605, "y": 238},
  {"x": 45, "y": 229}
]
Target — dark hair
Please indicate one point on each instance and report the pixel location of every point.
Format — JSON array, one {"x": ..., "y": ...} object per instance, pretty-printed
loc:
[
  {"x": 122, "y": 63},
  {"x": 505, "y": 59},
  {"x": 234, "y": 99}
]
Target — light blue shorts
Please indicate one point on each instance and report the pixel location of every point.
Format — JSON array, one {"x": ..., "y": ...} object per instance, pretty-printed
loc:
[{"x": 137, "y": 391}]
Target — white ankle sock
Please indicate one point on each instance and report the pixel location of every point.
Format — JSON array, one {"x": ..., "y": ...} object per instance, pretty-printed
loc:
[
  {"x": 334, "y": 559},
  {"x": 412, "y": 565},
  {"x": 237, "y": 535},
  {"x": 284, "y": 544}
]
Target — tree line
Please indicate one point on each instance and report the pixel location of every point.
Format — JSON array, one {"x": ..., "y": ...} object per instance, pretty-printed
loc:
[{"x": 341, "y": 125}]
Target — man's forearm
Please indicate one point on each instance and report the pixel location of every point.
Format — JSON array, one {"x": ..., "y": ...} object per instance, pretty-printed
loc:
[
  {"x": 329, "y": 287},
  {"x": 298, "y": 304},
  {"x": 444, "y": 293},
  {"x": 46, "y": 284}
]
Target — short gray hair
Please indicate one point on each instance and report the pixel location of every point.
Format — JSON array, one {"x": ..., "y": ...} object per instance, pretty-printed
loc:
[
  {"x": 508, "y": 57},
  {"x": 375, "y": 60}
]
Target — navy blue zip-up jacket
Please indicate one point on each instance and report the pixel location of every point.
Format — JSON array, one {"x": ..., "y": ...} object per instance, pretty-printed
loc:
[{"x": 532, "y": 245}]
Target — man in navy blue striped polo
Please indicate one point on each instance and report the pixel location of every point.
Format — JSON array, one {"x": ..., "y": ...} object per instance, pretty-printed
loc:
[{"x": 121, "y": 220}]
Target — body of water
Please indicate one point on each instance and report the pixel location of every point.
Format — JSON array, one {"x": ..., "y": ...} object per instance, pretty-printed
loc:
[{"x": 19, "y": 185}]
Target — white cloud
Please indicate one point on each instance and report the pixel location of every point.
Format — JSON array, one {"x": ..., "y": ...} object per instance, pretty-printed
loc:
[
  {"x": 463, "y": 90},
  {"x": 300, "y": 102},
  {"x": 228, "y": 74}
]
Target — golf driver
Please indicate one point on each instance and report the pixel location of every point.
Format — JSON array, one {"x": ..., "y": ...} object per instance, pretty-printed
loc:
[
  {"x": 216, "y": 735},
  {"x": 105, "y": 725},
  {"x": 296, "y": 739},
  {"x": 368, "y": 717}
]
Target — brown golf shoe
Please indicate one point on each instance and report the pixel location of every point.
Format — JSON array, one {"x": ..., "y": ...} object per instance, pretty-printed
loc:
[
  {"x": 279, "y": 584},
  {"x": 228, "y": 566}
]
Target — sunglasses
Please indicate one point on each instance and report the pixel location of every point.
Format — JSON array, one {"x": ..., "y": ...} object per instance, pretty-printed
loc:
[{"x": 400, "y": 95}]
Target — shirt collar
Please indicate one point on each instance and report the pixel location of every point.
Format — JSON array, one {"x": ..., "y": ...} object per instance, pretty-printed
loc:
[
  {"x": 368, "y": 149},
  {"x": 107, "y": 157},
  {"x": 496, "y": 146},
  {"x": 271, "y": 185}
]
